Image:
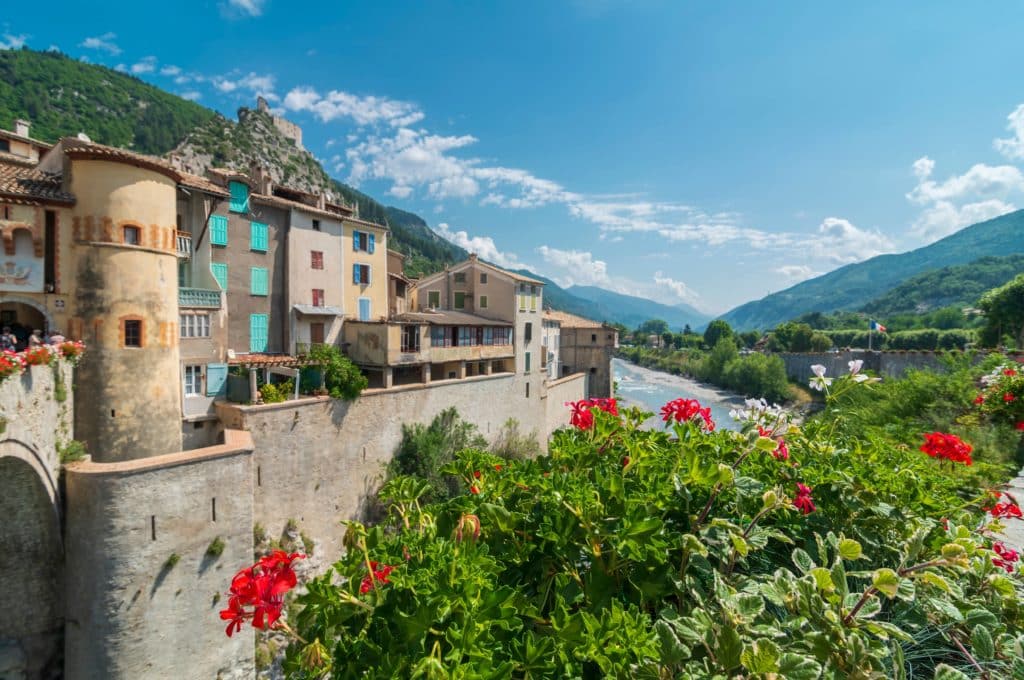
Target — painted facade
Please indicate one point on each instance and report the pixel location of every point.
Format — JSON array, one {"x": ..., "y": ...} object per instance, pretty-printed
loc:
[{"x": 586, "y": 346}]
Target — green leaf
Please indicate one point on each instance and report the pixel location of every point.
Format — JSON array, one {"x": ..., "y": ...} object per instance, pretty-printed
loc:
[
  {"x": 899, "y": 670},
  {"x": 802, "y": 560},
  {"x": 886, "y": 581},
  {"x": 944, "y": 672},
  {"x": 798, "y": 667},
  {"x": 673, "y": 650},
  {"x": 850, "y": 549},
  {"x": 934, "y": 579},
  {"x": 740, "y": 544},
  {"x": 729, "y": 648},
  {"x": 981, "y": 643},
  {"x": 749, "y": 606},
  {"x": 823, "y": 579},
  {"x": 643, "y": 527},
  {"x": 952, "y": 550},
  {"x": 761, "y": 657},
  {"x": 766, "y": 444},
  {"x": 947, "y": 608},
  {"x": 982, "y": 617}
]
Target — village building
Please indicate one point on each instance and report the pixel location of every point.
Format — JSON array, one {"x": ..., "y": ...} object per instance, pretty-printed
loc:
[{"x": 587, "y": 347}]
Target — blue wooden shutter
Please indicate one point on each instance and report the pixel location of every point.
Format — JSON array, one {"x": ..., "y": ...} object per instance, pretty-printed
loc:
[
  {"x": 257, "y": 332},
  {"x": 355, "y": 274},
  {"x": 218, "y": 230},
  {"x": 258, "y": 236},
  {"x": 364, "y": 309},
  {"x": 239, "y": 197},
  {"x": 220, "y": 272},
  {"x": 258, "y": 281},
  {"x": 355, "y": 240},
  {"x": 370, "y": 250},
  {"x": 216, "y": 379}
]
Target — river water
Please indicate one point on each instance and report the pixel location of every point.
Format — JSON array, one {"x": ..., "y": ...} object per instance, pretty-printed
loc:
[{"x": 650, "y": 390}]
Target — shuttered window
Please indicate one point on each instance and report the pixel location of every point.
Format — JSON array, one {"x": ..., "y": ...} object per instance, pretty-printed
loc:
[
  {"x": 361, "y": 273},
  {"x": 258, "y": 238},
  {"x": 239, "y": 197},
  {"x": 460, "y": 301},
  {"x": 364, "y": 309},
  {"x": 433, "y": 299},
  {"x": 216, "y": 379},
  {"x": 220, "y": 273},
  {"x": 258, "y": 332},
  {"x": 219, "y": 230},
  {"x": 258, "y": 281}
]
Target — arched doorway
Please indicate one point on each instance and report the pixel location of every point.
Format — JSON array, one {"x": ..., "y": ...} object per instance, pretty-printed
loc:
[
  {"x": 32, "y": 560},
  {"x": 23, "y": 316}
]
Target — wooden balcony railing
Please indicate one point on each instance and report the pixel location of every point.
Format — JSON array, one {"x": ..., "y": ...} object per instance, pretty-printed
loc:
[{"x": 184, "y": 244}]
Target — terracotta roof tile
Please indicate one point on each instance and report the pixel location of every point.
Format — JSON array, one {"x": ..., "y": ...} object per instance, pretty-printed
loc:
[
  {"x": 567, "y": 320},
  {"x": 201, "y": 183},
  {"x": 25, "y": 183}
]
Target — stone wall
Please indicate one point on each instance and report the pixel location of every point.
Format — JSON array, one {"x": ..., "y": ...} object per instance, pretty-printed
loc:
[
  {"x": 320, "y": 460},
  {"x": 892, "y": 364},
  {"x": 35, "y": 415},
  {"x": 143, "y": 588}
]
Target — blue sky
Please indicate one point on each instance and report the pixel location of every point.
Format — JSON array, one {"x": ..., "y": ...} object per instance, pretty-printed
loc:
[{"x": 700, "y": 152}]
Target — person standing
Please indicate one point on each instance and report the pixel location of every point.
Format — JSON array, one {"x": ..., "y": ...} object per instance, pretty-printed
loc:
[
  {"x": 8, "y": 341},
  {"x": 36, "y": 339}
]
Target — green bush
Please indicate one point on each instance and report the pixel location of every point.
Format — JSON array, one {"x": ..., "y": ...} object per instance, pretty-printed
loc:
[
  {"x": 425, "y": 449},
  {"x": 757, "y": 374},
  {"x": 276, "y": 393},
  {"x": 342, "y": 378},
  {"x": 635, "y": 553}
]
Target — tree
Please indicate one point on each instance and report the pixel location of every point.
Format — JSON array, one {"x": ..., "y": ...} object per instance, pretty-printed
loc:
[
  {"x": 653, "y": 327},
  {"x": 749, "y": 338},
  {"x": 687, "y": 330},
  {"x": 716, "y": 330},
  {"x": 342, "y": 378},
  {"x": 820, "y": 342},
  {"x": 1004, "y": 310}
]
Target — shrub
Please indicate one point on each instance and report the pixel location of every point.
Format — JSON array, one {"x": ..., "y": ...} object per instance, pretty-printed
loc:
[
  {"x": 216, "y": 547},
  {"x": 425, "y": 449},
  {"x": 70, "y": 451},
  {"x": 342, "y": 378},
  {"x": 510, "y": 443},
  {"x": 276, "y": 393}
]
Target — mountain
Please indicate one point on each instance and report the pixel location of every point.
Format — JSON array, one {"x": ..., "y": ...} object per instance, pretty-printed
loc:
[
  {"x": 62, "y": 97},
  {"x": 852, "y": 286},
  {"x": 959, "y": 285},
  {"x": 633, "y": 311}
]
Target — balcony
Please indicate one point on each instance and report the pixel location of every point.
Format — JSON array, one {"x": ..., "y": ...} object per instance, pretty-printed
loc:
[
  {"x": 183, "y": 241},
  {"x": 198, "y": 297},
  {"x": 303, "y": 348}
]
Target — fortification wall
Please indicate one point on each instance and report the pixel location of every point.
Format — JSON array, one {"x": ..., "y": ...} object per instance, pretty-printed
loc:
[
  {"x": 143, "y": 589},
  {"x": 569, "y": 388},
  {"x": 36, "y": 414},
  {"x": 321, "y": 460},
  {"x": 892, "y": 364}
]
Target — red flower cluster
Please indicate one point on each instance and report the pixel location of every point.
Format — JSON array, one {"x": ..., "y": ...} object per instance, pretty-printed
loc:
[
  {"x": 687, "y": 409},
  {"x": 980, "y": 399},
  {"x": 260, "y": 587},
  {"x": 1004, "y": 510},
  {"x": 71, "y": 349},
  {"x": 948, "y": 446},
  {"x": 582, "y": 415},
  {"x": 1020, "y": 426},
  {"x": 38, "y": 356},
  {"x": 10, "y": 364},
  {"x": 380, "y": 575},
  {"x": 1008, "y": 397},
  {"x": 781, "y": 451},
  {"x": 803, "y": 500},
  {"x": 1007, "y": 557},
  {"x": 1009, "y": 372}
]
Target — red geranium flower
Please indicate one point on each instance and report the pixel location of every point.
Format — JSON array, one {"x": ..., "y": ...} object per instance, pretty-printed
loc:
[
  {"x": 781, "y": 451},
  {"x": 474, "y": 490},
  {"x": 1020, "y": 426},
  {"x": 1010, "y": 372},
  {"x": 1007, "y": 557},
  {"x": 1004, "y": 510},
  {"x": 625, "y": 461},
  {"x": 948, "y": 446},
  {"x": 498, "y": 468},
  {"x": 1008, "y": 397},
  {"x": 980, "y": 399},
  {"x": 260, "y": 587},
  {"x": 682, "y": 410},
  {"x": 476, "y": 474},
  {"x": 375, "y": 575},
  {"x": 803, "y": 500},
  {"x": 582, "y": 417}
]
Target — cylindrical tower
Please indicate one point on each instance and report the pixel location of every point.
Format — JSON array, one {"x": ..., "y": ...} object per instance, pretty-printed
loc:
[{"x": 127, "y": 402}]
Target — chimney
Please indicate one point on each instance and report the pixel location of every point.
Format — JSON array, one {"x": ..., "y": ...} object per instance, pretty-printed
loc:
[
  {"x": 472, "y": 257},
  {"x": 21, "y": 127}
]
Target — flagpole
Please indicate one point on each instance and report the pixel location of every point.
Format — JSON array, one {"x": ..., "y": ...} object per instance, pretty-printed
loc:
[{"x": 871, "y": 327}]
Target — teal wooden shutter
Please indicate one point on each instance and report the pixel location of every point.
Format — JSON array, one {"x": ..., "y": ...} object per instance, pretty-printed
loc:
[
  {"x": 258, "y": 281},
  {"x": 355, "y": 274},
  {"x": 218, "y": 230},
  {"x": 371, "y": 244},
  {"x": 216, "y": 379},
  {"x": 364, "y": 309},
  {"x": 257, "y": 332},
  {"x": 239, "y": 197},
  {"x": 220, "y": 272},
  {"x": 258, "y": 236},
  {"x": 355, "y": 240}
]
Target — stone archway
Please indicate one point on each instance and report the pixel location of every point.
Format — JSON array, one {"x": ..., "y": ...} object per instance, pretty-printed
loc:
[{"x": 32, "y": 561}]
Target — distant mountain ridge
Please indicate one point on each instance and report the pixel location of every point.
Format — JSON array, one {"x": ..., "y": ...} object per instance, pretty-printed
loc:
[
  {"x": 853, "y": 286},
  {"x": 632, "y": 311}
]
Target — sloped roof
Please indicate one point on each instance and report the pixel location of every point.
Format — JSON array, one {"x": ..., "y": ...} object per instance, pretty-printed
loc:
[
  {"x": 88, "y": 150},
  {"x": 27, "y": 184},
  {"x": 447, "y": 317},
  {"x": 567, "y": 320}
]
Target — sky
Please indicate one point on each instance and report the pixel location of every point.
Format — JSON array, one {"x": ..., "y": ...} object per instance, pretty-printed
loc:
[{"x": 706, "y": 153}]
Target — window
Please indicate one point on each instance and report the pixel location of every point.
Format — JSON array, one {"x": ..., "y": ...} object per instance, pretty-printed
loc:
[
  {"x": 527, "y": 390},
  {"x": 5, "y": 145},
  {"x": 316, "y": 333},
  {"x": 318, "y": 297},
  {"x": 218, "y": 230},
  {"x": 460, "y": 277},
  {"x": 132, "y": 236},
  {"x": 528, "y": 333},
  {"x": 361, "y": 274},
  {"x": 439, "y": 336},
  {"x": 133, "y": 332},
  {"x": 362, "y": 241},
  {"x": 488, "y": 336},
  {"x": 50, "y": 252},
  {"x": 258, "y": 237},
  {"x": 239, "y": 197},
  {"x": 593, "y": 337},
  {"x": 593, "y": 370},
  {"x": 258, "y": 335},
  {"x": 502, "y": 336},
  {"x": 364, "y": 309},
  {"x": 216, "y": 379},
  {"x": 316, "y": 225},
  {"x": 460, "y": 301},
  {"x": 483, "y": 302},
  {"x": 316, "y": 259},
  {"x": 410, "y": 338},
  {"x": 220, "y": 273},
  {"x": 526, "y": 368},
  {"x": 533, "y": 298},
  {"x": 483, "y": 277},
  {"x": 466, "y": 336},
  {"x": 194, "y": 325},
  {"x": 433, "y": 299},
  {"x": 193, "y": 381},
  {"x": 258, "y": 280}
]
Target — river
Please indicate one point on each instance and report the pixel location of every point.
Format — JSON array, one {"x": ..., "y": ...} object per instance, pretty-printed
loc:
[{"x": 650, "y": 390}]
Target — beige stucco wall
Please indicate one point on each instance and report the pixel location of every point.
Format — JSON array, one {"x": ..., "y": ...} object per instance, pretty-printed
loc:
[
  {"x": 500, "y": 291},
  {"x": 582, "y": 352},
  {"x": 377, "y": 289},
  {"x": 302, "y": 278}
]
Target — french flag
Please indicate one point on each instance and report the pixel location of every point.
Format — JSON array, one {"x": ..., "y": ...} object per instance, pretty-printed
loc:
[{"x": 875, "y": 326}]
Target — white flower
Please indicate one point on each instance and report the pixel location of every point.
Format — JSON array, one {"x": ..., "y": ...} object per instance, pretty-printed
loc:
[
  {"x": 855, "y": 367},
  {"x": 818, "y": 370},
  {"x": 860, "y": 377}
]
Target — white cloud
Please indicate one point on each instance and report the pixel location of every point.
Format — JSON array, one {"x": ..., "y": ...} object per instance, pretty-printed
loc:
[
  {"x": 841, "y": 242},
  {"x": 679, "y": 289},
  {"x": 104, "y": 43},
  {"x": 400, "y": 191},
  {"x": 15, "y": 42},
  {"x": 1013, "y": 147},
  {"x": 483, "y": 246},
  {"x": 253, "y": 8},
  {"x": 121, "y": 68},
  {"x": 191, "y": 95},
  {"x": 796, "y": 272},
  {"x": 363, "y": 110},
  {"x": 170, "y": 70},
  {"x": 144, "y": 65},
  {"x": 979, "y": 194},
  {"x": 575, "y": 267},
  {"x": 944, "y": 218},
  {"x": 252, "y": 83}
]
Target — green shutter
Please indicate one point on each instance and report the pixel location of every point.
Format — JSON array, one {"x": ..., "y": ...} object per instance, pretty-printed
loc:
[
  {"x": 257, "y": 332},
  {"x": 258, "y": 281},
  {"x": 258, "y": 236},
  {"x": 527, "y": 370},
  {"x": 483, "y": 302},
  {"x": 216, "y": 379},
  {"x": 434, "y": 299},
  {"x": 220, "y": 272},
  {"x": 460, "y": 300},
  {"x": 218, "y": 230},
  {"x": 239, "y": 197}
]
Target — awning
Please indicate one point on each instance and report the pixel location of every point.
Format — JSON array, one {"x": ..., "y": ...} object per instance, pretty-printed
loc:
[{"x": 310, "y": 310}]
